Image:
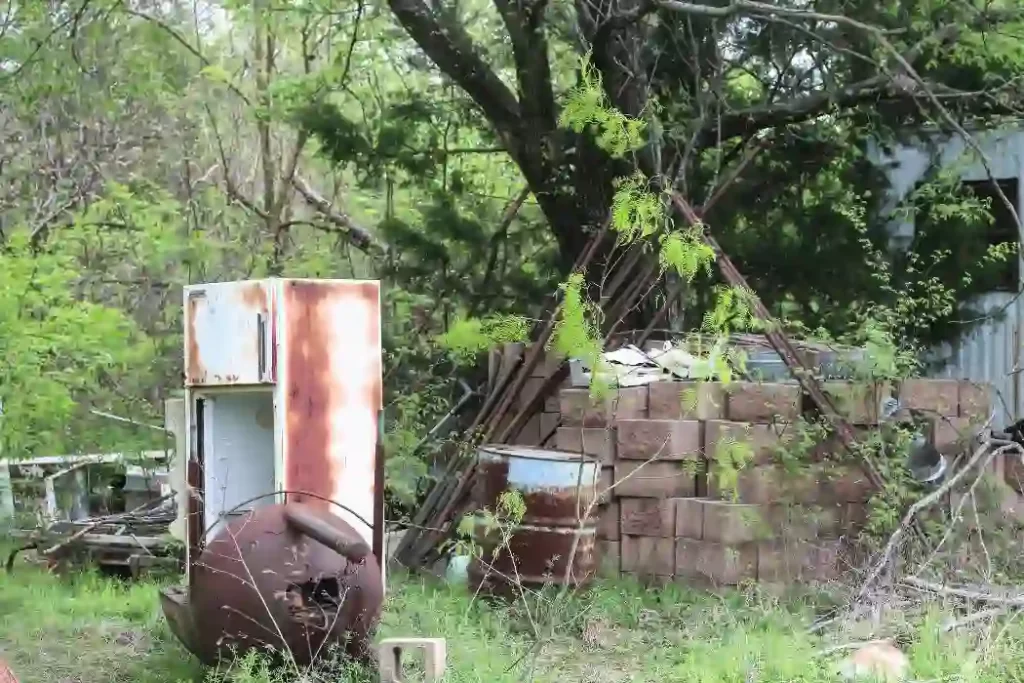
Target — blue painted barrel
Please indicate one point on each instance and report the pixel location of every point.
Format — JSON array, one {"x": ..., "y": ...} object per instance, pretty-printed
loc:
[{"x": 559, "y": 490}]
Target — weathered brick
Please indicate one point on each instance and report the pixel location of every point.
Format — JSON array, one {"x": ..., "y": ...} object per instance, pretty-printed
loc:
[
  {"x": 647, "y": 555},
  {"x": 686, "y": 401},
  {"x": 548, "y": 426},
  {"x": 853, "y": 517},
  {"x": 975, "y": 400},
  {"x": 717, "y": 563},
  {"x": 687, "y": 555},
  {"x": 804, "y": 522},
  {"x": 859, "y": 402},
  {"x": 609, "y": 558},
  {"x": 648, "y": 516},
  {"x": 608, "y": 521},
  {"x": 764, "y": 484},
  {"x": 731, "y": 523},
  {"x": 658, "y": 439},
  {"x": 845, "y": 484},
  {"x": 597, "y": 442},
  {"x": 689, "y": 518},
  {"x": 547, "y": 365},
  {"x": 935, "y": 396},
  {"x": 605, "y": 481},
  {"x": 952, "y": 435},
  {"x": 755, "y": 444},
  {"x": 529, "y": 435},
  {"x": 578, "y": 409},
  {"x": 830, "y": 446},
  {"x": 790, "y": 561},
  {"x": 637, "y": 479},
  {"x": 529, "y": 391},
  {"x": 754, "y": 402}
]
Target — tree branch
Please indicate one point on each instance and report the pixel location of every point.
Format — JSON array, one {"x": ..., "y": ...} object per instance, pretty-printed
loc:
[
  {"x": 361, "y": 238},
  {"x": 453, "y": 51}
]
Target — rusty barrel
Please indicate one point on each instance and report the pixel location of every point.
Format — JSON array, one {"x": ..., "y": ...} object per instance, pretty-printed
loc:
[{"x": 558, "y": 489}]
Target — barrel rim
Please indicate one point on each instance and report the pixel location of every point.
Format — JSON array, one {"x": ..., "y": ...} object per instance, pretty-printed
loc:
[{"x": 536, "y": 453}]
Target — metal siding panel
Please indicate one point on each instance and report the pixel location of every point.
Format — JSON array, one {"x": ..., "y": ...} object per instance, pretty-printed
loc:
[
  {"x": 331, "y": 390},
  {"x": 988, "y": 353}
]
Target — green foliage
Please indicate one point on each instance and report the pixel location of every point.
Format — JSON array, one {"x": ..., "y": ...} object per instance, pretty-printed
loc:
[
  {"x": 56, "y": 348},
  {"x": 467, "y": 338},
  {"x": 587, "y": 108}
]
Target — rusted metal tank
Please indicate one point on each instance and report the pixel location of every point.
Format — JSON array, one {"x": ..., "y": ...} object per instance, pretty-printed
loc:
[
  {"x": 558, "y": 489},
  {"x": 291, "y": 577}
]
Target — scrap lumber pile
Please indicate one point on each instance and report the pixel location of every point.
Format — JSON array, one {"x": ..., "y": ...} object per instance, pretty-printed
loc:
[
  {"x": 133, "y": 541},
  {"x": 504, "y": 414}
]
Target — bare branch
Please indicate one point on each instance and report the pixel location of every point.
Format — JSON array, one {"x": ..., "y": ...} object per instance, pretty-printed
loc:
[{"x": 359, "y": 236}]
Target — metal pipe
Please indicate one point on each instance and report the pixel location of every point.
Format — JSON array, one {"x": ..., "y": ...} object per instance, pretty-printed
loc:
[{"x": 321, "y": 532}]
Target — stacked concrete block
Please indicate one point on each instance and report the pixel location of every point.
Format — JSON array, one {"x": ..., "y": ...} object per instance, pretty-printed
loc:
[
  {"x": 717, "y": 485},
  {"x": 540, "y": 429},
  {"x": 588, "y": 428}
]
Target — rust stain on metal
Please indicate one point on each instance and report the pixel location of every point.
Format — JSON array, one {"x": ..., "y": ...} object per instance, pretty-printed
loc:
[
  {"x": 539, "y": 549},
  {"x": 194, "y": 363},
  {"x": 310, "y": 390},
  {"x": 263, "y": 583},
  {"x": 254, "y": 296}
]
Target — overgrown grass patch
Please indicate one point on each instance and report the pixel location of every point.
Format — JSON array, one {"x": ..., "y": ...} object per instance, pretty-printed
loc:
[{"x": 90, "y": 629}]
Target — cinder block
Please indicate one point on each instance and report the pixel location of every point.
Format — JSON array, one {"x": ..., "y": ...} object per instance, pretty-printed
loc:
[
  {"x": 637, "y": 479},
  {"x": 529, "y": 435},
  {"x": 608, "y": 521},
  {"x": 845, "y": 484},
  {"x": 609, "y": 559},
  {"x": 975, "y": 400},
  {"x": 733, "y": 523},
  {"x": 686, "y": 401},
  {"x": 597, "y": 442},
  {"x": 647, "y": 555},
  {"x": 391, "y": 651},
  {"x": 754, "y": 402},
  {"x": 658, "y": 439},
  {"x": 756, "y": 444},
  {"x": 830, "y": 446},
  {"x": 648, "y": 516},
  {"x": 859, "y": 402},
  {"x": 547, "y": 365},
  {"x": 624, "y": 403},
  {"x": 529, "y": 391},
  {"x": 853, "y": 517},
  {"x": 690, "y": 518},
  {"x": 605, "y": 481},
  {"x": 787, "y": 562},
  {"x": 952, "y": 435},
  {"x": 549, "y": 426},
  {"x": 936, "y": 396},
  {"x": 804, "y": 522},
  {"x": 717, "y": 563},
  {"x": 764, "y": 484}
]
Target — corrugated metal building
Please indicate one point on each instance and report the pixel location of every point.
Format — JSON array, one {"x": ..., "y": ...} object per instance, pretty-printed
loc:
[{"x": 989, "y": 351}]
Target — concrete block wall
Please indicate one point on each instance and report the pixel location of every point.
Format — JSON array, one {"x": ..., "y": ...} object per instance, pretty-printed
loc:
[{"x": 672, "y": 513}]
